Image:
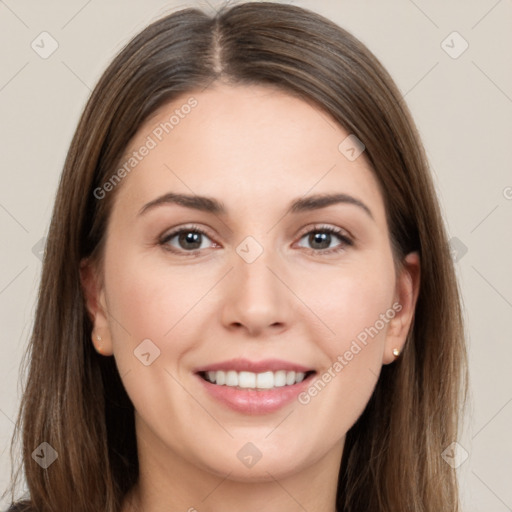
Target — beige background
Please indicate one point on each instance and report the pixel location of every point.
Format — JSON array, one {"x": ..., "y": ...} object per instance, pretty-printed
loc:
[{"x": 463, "y": 107}]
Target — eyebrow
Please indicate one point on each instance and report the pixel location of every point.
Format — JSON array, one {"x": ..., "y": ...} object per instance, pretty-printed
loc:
[{"x": 212, "y": 205}]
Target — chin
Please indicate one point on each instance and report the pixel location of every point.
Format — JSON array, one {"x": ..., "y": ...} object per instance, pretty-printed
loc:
[{"x": 248, "y": 463}]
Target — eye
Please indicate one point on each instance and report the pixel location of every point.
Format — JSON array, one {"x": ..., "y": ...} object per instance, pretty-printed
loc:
[
  {"x": 321, "y": 237},
  {"x": 190, "y": 240},
  {"x": 185, "y": 239}
]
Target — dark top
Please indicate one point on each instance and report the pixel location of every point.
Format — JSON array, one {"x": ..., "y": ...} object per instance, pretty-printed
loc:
[{"x": 17, "y": 507}]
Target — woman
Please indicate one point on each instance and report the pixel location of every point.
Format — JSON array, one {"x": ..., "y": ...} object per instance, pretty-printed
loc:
[{"x": 306, "y": 351}]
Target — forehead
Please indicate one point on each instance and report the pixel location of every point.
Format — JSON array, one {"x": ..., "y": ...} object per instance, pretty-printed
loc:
[{"x": 249, "y": 145}]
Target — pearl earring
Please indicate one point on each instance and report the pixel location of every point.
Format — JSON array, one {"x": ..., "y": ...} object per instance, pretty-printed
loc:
[
  {"x": 98, "y": 349},
  {"x": 396, "y": 352}
]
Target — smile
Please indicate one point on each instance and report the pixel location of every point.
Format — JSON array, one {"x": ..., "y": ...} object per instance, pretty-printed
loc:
[
  {"x": 251, "y": 380},
  {"x": 254, "y": 387}
]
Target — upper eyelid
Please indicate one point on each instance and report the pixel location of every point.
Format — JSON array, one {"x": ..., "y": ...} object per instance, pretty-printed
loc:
[
  {"x": 328, "y": 227},
  {"x": 175, "y": 231}
]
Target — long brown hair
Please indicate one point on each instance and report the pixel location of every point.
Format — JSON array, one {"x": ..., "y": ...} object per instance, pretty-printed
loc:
[{"x": 74, "y": 398}]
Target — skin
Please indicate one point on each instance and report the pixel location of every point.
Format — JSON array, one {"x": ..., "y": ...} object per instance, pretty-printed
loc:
[{"x": 255, "y": 149}]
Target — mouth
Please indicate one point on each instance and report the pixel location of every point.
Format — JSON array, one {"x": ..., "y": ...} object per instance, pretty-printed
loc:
[
  {"x": 252, "y": 388},
  {"x": 257, "y": 381}
]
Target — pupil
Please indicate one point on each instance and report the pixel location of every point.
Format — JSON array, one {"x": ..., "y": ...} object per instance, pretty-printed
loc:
[
  {"x": 321, "y": 237},
  {"x": 191, "y": 238}
]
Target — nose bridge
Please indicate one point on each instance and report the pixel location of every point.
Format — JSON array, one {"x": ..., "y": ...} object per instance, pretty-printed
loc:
[
  {"x": 257, "y": 297},
  {"x": 252, "y": 268}
]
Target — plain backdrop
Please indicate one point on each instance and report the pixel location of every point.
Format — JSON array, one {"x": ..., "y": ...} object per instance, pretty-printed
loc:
[{"x": 452, "y": 62}]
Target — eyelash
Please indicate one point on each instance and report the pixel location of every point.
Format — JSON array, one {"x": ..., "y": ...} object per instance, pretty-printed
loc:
[{"x": 345, "y": 240}]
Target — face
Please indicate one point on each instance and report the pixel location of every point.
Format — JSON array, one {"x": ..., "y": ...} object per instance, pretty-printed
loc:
[{"x": 249, "y": 328}]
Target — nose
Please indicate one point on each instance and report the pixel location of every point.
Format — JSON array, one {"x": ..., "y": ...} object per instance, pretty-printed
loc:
[{"x": 257, "y": 299}]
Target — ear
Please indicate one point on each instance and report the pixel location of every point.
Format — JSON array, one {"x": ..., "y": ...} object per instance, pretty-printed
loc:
[
  {"x": 406, "y": 296},
  {"x": 94, "y": 293}
]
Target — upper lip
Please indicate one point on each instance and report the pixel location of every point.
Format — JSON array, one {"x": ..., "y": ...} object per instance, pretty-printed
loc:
[{"x": 245, "y": 365}]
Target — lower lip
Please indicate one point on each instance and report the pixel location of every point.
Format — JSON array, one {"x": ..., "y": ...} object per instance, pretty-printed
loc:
[{"x": 253, "y": 401}]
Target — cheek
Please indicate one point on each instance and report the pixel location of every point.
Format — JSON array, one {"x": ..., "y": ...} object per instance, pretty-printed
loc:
[
  {"x": 357, "y": 306},
  {"x": 148, "y": 299},
  {"x": 353, "y": 355},
  {"x": 362, "y": 307},
  {"x": 353, "y": 300}
]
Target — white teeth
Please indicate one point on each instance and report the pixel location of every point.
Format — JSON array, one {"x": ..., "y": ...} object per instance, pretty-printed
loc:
[
  {"x": 290, "y": 378},
  {"x": 220, "y": 378},
  {"x": 250, "y": 380},
  {"x": 280, "y": 378},
  {"x": 265, "y": 380},
  {"x": 247, "y": 380},
  {"x": 231, "y": 378}
]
